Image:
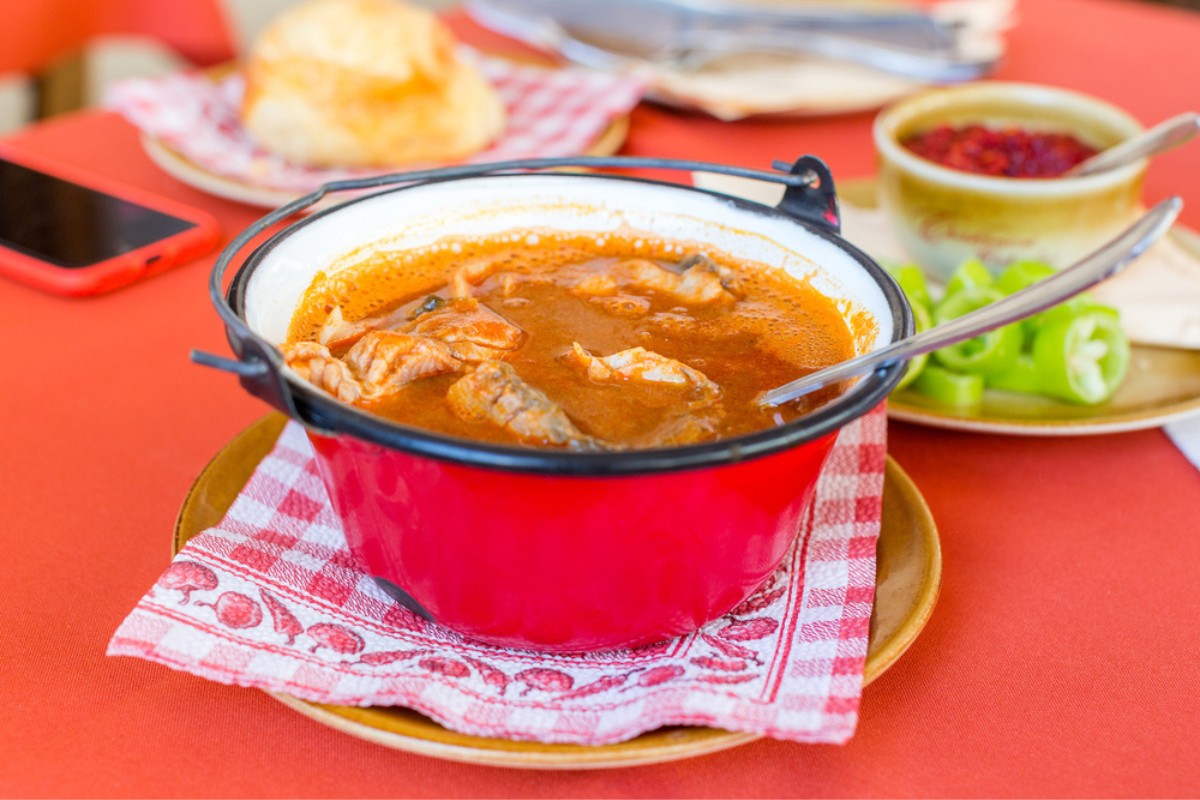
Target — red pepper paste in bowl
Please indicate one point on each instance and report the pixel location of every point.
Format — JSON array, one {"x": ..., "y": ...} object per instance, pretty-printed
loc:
[
  {"x": 1010, "y": 152},
  {"x": 976, "y": 171}
]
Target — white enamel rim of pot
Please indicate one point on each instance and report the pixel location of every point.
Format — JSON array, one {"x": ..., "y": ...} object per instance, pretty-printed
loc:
[{"x": 271, "y": 282}]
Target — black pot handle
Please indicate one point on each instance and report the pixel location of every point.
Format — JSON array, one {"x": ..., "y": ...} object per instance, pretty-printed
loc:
[
  {"x": 814, "y": 201},
  {"x": 259, "y": 365}
]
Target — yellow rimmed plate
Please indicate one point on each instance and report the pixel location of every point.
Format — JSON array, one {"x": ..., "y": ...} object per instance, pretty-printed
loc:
[
  {"x": 1163, "y": 383},
  {"x": 908, "y": 576}
]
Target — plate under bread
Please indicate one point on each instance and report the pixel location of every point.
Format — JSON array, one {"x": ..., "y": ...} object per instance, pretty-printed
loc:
[
  {"x": 196, "y": 175},
  {"x": 907, "y": 580}
]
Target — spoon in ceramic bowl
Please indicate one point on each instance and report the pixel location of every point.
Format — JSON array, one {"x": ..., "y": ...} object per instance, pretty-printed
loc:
[
  {"x": 1103, "y": 263},
  {"x": 1163, "y": 136}
]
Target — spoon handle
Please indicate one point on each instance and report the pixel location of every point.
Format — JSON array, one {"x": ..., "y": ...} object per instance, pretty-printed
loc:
[
  {"x": 1101, "y": 264},
  {"x": 1163, "y": 136}
]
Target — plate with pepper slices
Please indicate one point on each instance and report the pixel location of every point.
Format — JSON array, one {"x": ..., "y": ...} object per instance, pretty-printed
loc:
[{"x": 1069, "y": 371}]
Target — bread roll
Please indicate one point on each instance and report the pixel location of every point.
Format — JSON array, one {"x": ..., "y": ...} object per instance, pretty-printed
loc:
[{"x": 365, "y": 83}]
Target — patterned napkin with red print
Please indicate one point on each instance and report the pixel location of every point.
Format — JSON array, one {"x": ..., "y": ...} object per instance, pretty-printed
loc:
[
  {"x": 271, "y": 598},
  {"x": 551, "y": 112}
]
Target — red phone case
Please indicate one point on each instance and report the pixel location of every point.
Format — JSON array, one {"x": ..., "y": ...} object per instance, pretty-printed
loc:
[{"x": 113, "y": 273}]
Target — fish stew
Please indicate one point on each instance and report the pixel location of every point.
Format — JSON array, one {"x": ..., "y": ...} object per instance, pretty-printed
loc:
[{"x": 567, "y": 340}]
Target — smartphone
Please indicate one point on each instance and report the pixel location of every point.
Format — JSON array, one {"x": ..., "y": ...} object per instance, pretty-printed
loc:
[{"x": 67, "y": 232}]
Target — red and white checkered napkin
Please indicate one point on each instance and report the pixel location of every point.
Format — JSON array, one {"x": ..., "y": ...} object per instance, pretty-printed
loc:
[
  {"x": 271, "y": 598},
  {"x": 551, "y": 112}
]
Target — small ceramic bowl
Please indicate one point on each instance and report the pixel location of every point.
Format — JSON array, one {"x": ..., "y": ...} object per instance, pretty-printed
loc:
[{"x": 944, "y": 216}]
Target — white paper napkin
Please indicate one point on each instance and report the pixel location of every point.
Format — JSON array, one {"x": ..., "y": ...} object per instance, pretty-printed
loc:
[
  {"x": 745, "y": 84},
  {"x": 1185, "y": 434}
]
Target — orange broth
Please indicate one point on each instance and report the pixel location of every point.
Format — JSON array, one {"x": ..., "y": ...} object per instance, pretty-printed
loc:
[{"x": 778, "y": 329}]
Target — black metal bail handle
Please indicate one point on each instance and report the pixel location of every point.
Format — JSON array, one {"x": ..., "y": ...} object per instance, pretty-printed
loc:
[
  {"x": 813, "y": 201},
  {"x": 259, "y": 365}
]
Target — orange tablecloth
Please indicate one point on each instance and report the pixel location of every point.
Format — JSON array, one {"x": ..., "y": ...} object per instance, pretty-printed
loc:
[{"x": 1061, "y": 659}]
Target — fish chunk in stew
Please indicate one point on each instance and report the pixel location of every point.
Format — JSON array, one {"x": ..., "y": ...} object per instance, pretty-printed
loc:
[
  {"x": 639, "y": 365},
  {"x": 313, "y": 362},
  {"x": 471, "y": 331},
  {"x": 603, "y": 290},
  {"x": 688, "y": 429},
  {"x": 700, "y": 281},
  {"x": 388, "y": 361},
  {"x": 471, "y": 273},
  {"x": 493, "y": 393},
  {"x": 337, "y": 333}
]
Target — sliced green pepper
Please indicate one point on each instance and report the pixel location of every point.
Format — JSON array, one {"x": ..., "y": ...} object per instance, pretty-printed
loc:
[
  {"x": 1075, "y": 351},
  {"x": 1083, "y": 358},
  {"x": 912, "y": 281},
  {"x": 970, "y": 274},
  {"x": 949, "y": 388},
  {"x": 988, "y": 354},
  {"x": 1071, "y": 307},
  {"x": 1020, "y": 274},
  {"x": 1022, "y": 377},
  {"x": 924, "y": 321}
]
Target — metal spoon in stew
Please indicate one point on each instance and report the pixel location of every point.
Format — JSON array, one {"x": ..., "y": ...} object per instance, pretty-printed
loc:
[
  {"x": 1163, "y": 136},
  {"x": 1103, "y": 263}
]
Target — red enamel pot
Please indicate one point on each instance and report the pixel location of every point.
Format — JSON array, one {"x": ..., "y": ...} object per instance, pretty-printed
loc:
[{"x": 546, "y": 549}]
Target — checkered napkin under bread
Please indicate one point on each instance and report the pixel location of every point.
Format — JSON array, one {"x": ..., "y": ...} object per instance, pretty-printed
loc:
[
  {"x": 551, "y": 112},
  {"x": 271, "y": 598}
]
